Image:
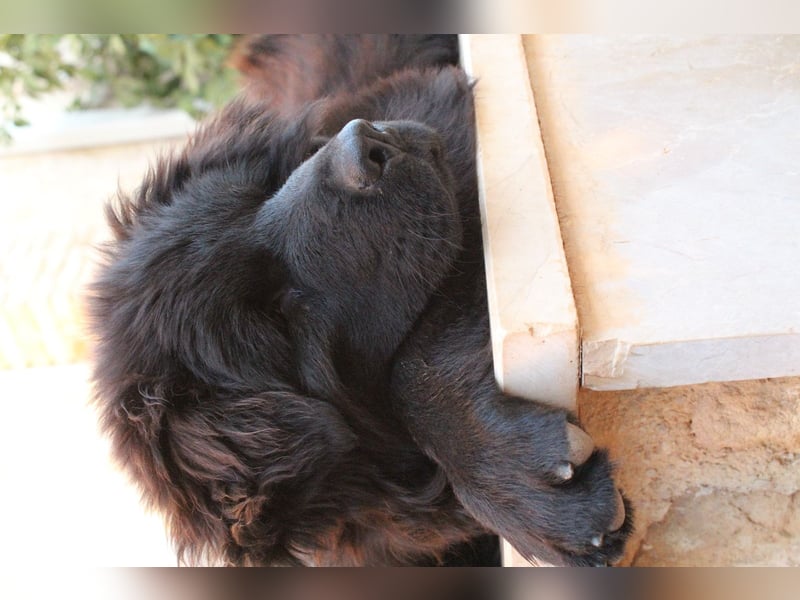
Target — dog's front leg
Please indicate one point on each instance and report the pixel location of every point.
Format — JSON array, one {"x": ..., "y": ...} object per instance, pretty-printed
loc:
[{"x": 520, "y": 468}]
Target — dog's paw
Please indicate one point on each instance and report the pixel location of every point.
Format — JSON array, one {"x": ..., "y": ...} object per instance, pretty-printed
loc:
[
  {"x": 543, "y": 485},
  {"x": 585, "y": 520}
]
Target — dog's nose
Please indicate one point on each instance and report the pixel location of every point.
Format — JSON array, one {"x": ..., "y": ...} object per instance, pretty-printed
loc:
[{"x": 360, "y": 154}]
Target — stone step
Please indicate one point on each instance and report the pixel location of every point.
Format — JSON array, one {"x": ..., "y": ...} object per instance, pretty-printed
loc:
[
  {"x": 674, "y": 162},
  {"x": 531, "y": 307}
]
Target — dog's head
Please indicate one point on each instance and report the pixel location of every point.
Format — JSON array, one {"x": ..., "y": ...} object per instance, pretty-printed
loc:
[{"x": 257, "y": 281}]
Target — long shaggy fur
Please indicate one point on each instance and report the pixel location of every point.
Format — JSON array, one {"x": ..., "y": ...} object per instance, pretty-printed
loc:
[{"x": 295, "y": 367}]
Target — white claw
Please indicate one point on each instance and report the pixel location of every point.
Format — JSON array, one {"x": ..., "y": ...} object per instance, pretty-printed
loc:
[
  {"x": 581, "y": 445},
  {"x": 597, "y": 541},
  {"x": 565, "y": 471},
  {"x": 619, "y": 517}
]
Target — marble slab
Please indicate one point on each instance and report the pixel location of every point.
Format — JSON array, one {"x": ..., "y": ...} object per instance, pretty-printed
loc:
[
  {"x": 532, "y": 310},
  {"x": 675, "y": 163},
  {"x": 531, "y": 306}
]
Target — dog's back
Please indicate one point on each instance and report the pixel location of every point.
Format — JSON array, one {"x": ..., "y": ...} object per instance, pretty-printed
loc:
[{"x": 290, "y": 71}]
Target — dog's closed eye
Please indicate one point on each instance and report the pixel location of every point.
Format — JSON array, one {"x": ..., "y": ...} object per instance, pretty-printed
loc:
[{"x": 289, "y": 301}]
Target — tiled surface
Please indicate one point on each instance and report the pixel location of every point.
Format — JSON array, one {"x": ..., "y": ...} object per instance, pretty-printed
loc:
[{"x": 674, "y": 165}]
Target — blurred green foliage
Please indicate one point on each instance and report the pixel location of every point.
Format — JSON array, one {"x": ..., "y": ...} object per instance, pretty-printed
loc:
[{"x": 187, "y": 71}]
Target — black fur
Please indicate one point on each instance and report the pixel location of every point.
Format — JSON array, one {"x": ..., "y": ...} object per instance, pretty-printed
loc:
[{"x": 293, "y": 355}]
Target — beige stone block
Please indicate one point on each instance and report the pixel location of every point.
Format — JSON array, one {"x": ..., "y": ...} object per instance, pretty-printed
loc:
[{"x": 532, "y": 311}]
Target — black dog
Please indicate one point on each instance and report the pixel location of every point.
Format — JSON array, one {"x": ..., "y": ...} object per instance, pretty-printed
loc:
[{"x": 293, "y": 354}]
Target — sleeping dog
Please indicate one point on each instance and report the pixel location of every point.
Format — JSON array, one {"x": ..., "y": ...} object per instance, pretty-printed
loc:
[{"x": 293, "y": 358}]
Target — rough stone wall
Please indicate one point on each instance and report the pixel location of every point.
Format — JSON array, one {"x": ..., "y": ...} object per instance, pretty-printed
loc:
[{"x": 713, "y": 470}]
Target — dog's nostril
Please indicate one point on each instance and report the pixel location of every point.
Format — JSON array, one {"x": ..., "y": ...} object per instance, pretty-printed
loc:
[
  {"x": 436, "y": 151},
  {"x": 360, "y": 153},
  {"x": 377, "y": 155}
]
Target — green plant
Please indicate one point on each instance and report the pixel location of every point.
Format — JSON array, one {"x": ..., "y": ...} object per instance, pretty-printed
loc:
[{"x": 188, "y": 71}]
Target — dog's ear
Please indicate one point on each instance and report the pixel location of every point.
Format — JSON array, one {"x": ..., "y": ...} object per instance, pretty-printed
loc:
[{"x": 227, "y": 472}]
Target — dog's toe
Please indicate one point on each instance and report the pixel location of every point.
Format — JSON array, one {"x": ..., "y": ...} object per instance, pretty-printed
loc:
[
  {"x": 581, "y": 445},
  {"x": 564, "y": 471},
  {"x": 619, "y": 517},
  {"x": 579, "y": 448}
]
